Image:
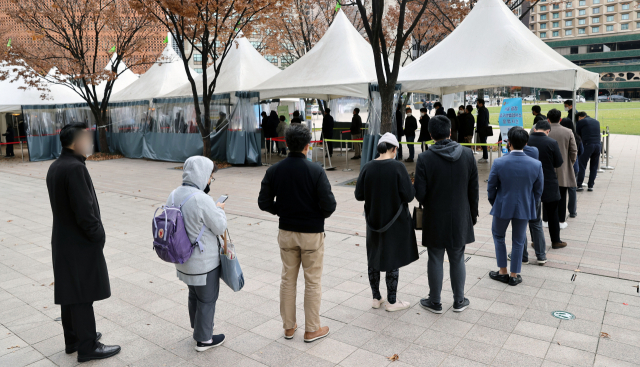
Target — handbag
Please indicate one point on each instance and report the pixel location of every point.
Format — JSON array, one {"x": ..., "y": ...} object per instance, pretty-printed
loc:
[
  {"x": 489, "y": 130},
  {"x": 417, "y": 217},
  {"x": 230, "y": 271}
]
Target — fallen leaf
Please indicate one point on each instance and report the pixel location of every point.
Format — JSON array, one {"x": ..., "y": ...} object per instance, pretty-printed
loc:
[
  {"x": 51, "y": 283},
  {"x": 17, "y": 346},
  {"x": 248, "y": 224},
  {"x": 393, "y": 358},
  {"x": 357, "y": 244},
  {"x": 150, "y": 281},
  {"x": 357, "y": 234},
  {"x": 604, "y": 335},
  {"x": 558, "y": 343},
  {"x": 125, "y": 233},
  {"x": 626, "y": 304},
  {"x": 578, "y": 270},
  {"x": 10, "y": 220}
]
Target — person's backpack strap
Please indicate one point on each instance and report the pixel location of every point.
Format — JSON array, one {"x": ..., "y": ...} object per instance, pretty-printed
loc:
[
  {"x": 202, "y": 229},
  {"x": 385, "y": 228},
  {"x": 172, "y": 204}
]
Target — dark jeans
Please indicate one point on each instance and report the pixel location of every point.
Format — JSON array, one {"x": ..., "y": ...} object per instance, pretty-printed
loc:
[
  {"x": 202, "y": 306},
  {"x": 391, "y": 278},
  {"x": 79, "y": 325},
  {"x": 457, "y": 272},
  {"x": 411, "y": 139},
  {"x": 573, "y": 201},
  {"x": 483, "y": 140},
  {"x": 551, "y": 211},
  {"x": 562, "y": 205},
  {"x": 591, "y": 152}
]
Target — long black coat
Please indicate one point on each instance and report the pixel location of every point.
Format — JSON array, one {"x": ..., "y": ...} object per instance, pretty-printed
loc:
[
  {"x": 424, "y": 128},
  {"x": 78, "y": 237},
  {"x": 327, "y": 126},
  {"x": 446, "y": 185},
  {"x": 399, "y": 125},
  {"x": 356, "y": 125},
  {"x": 551, "y": 158},
  {"x": 466, "y": 124},
  {"x": 385, "y": 186}
]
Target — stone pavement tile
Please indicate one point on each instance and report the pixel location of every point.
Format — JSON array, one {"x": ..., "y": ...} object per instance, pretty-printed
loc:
[
  {"x": 558, "y": 286},
  {"x": 552, "y": 295},
  {"x": 336, "y": 296},
  {"x": 624, "y": 352},
  {"x": 498, "y": 322},
  {"x": 631, "y": 299},
  {"x": 275, "y": 354},
  {"x": 249, "y": 320},
  {"x": 508, "y": 358},
  {"x": 42, "y": 363},
  {"x": 476, "y": 351},
  {"x": 455, "y": 361},
  {"x": 271, "y": 329},
  {"x": 358, "y": 302},
  {"x": 623, "y": 309},
  {"x": 547, "y": 305},
  {"x": 525, "y": 345},
  {"x": 621, "y": 335},
  {"x": 540, "y": 317},
  {"x": 247, "y": 343},
  {"x": 363, "y": 358},
  {"x": 487, "y": 335},
  {"x": 452, "y": 326},
  {"x": 64, "y": 360},
  {"x": 422, "y": 357},
  {"x": 507, "y": 310},
  {"x": 404, "y": 331},
  {"x": 592, "y": 292},
  {"x": 353, "y": 335},
  {"x": 160, "y": 358},
  {"x": 569, "y": 356},
  {"x": 622, "y": 321},
  {"x": 588, "y": 302},
  {"x": 437, "y": 340},
  {"x": 524, "y": 290},
  {"x": 41, "y": 332},
  {"x": 342, "y": 313},
  {"x": 19, "y": 357},
  {"x": 309, "y": 360},
  {"x": 332, "y": 350},
  {"x": 50, "y": 346},
  {"x": 484, "y": 293},
  {"x": 372, "y": 322},
  {"x": 479, "y": 304},
  {"x": 220, "y": 356},
  {"x": 468, "y": 315},
  {"x": 581, "y": 326},
  {"x": 577, "y": 341},
  {"x": 534, "y": 330},
  {"x": 586, "y": 313},
  {"x": 385, "y": 345},
  {"x": 604, "y": 361},
  {"x": 514, "y": 299}
]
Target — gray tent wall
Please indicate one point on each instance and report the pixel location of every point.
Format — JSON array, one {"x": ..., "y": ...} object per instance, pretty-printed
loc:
[
  {"x": 244, "y": 133},
  {"x": 127, "y": 127},
  {"x": 372, "y": 135}
]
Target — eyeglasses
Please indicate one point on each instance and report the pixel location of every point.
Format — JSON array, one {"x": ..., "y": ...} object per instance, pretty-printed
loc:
[{"x": 213, "y": 179}]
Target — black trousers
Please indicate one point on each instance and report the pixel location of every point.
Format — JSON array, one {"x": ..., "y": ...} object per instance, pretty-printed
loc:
[
  {"x": 551, "y": 211},
  {"x": 79, "y": 325},
  {"x": 329, "y": 144},
  {"x": 483, "y": 140},
  {"x": 9, "y": 150},
  {"x": 562, "y": 205}
]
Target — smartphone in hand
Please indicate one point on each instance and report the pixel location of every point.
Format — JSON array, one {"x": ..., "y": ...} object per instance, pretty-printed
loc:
[{"x": 222, "y": 199}]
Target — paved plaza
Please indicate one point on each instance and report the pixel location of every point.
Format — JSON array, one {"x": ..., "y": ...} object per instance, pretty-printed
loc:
[{"x": 147, "y": 313}]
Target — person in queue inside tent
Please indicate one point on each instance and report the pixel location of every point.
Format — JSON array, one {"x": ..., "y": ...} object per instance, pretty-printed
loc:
[{"x": 410, "y": 127}]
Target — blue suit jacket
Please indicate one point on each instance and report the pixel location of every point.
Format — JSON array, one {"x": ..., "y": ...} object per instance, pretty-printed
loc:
[
  {"x": 515, "y": 186},
  {"x": 530, "y": 151}
]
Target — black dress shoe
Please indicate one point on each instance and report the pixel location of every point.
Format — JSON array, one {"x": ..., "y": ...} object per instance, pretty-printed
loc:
[
  {"x": 495, "y": 275},
  {"x": 101, "y": 352},
  {"x": 515, "y": 280},
  {"x": 70, "y": 349},
  {"x": 580, "y": 189}
]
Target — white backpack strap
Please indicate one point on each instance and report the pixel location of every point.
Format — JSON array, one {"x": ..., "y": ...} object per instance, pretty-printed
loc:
[{"x": 172, "y": 204}]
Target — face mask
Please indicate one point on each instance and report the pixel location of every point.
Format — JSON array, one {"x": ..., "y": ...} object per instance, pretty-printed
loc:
[
  {"x": 460, "y": 111},
  {"x": 207, "y": 189},
  {"x": 566, "y": 108},
  {"x": 422, "y": 113},
  {"x": 408, "y": 114}
]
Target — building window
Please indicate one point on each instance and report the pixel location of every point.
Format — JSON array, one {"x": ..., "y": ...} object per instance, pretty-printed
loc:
[
  {"x": 609, "y": 18},
  {"x": 595, "y": 11},
  {"x": 543, "y": 26},
  {"x": 582, "y": 30},
  {"x": 609, "y": 28},
  {"x": 624, "y": 27},
  {"x": 543, "y": 7},
  {"x": 582, "y": 21},
  {"x": 197, "y": 59},
  {"x": 568, "y": 23},
  {"x": 638, "y": 25},
  {"x": 610, "y": 8},
  {"x": 625, "y": 6},
  {"x": 556, "y": 6},
  {"x": 533, "y": 19},
  {"x": 596, "y": 1},
  {"x": 624, "y": 16},
  {"x": 543, "y": 17},
  {"x": 569, "y": 14},
  {"x": 568, "y": 32},
  {"x": 198, "y": 70},
  {"x": 555, "y": 33},
  {"x": 582, "y": 3},
  {"x": 555, "y": 24},
  {"x": 582, "y": 12},
  {"x": 595, "y": 29},
  {"x": 595, "y": 20},
  {"x": 610, "y": 1},
  {"x": 556, "y": 15},
  {"x": 543, "y": 34},
  {"x": 569, "y": 4}
]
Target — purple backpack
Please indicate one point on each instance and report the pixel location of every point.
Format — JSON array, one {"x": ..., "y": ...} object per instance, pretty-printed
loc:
[{"x": 170, "y": 239}]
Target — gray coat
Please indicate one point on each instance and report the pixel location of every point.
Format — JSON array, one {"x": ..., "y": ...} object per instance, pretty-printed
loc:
[
  {"x": 569, "y": 150},
  {"x": 200, "y": 209}
]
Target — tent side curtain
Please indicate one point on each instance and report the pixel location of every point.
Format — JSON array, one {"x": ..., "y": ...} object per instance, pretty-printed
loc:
[
  {"x": 244, "y": 134},
  {"x": 342, "y": 108},
  {"x": 128, "y": 121}
]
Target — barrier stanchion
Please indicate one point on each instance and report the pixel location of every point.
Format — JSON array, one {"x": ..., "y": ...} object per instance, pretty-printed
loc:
[
  {"x": 341, "y": 138},
  {"x": 475, "y": 140},
  {"x": 607, "y": 166},
  {"x": 21, "y": 151},
  {"x": 346, "y": 154},
  {"x": 330, "y": 168},
  {"x": 601, "y": 160}
]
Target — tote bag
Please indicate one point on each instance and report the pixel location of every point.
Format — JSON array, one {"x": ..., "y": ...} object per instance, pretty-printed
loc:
[{"x": 230, "y": 271}]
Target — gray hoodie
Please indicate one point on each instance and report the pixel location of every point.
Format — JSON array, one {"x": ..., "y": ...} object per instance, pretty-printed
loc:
[
  {"x": 447, "y": 149},
  {"x": 200, "y": 209}
]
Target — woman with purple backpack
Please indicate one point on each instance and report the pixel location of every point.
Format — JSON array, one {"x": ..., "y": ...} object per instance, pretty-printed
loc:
[{"x": 204, "y": 220}]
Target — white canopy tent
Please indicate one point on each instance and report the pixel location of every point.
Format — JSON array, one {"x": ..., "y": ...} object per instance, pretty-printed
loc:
[
  {"x": 242, "y": 70},
  {"x": 491, "y": 48},
  {"x": 161, "y": 78},
  {"x": 125, "y": 77},
  {"x": 340, "y": 65}
]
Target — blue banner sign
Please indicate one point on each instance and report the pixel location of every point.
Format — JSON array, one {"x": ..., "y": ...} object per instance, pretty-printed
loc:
[{"x": 510, "y": 116}]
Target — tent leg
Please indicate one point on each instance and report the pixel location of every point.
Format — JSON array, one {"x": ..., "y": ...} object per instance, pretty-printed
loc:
[
  {"x": 330, "y": 168},
  {"x": 575, "y": 102},
  {"x": 347, "y": 157},
  {"x": 596, "y": 117},
  {"x": 21, "y": 149}
]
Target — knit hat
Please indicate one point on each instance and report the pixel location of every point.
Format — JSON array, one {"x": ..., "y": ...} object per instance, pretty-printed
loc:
[{"x": 389, "y": 138}]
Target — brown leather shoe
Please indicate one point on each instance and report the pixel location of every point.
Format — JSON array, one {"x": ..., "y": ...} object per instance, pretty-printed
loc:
[
  {"x": 557, "y": 245},
  {"x": 288, "y": 333},
  {"x": 318, "y": 334}
]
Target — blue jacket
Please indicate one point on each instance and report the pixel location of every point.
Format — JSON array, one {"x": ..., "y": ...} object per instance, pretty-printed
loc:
[
  {"x": 515, "y": 186},
  {"x": 529, "y": 151}
]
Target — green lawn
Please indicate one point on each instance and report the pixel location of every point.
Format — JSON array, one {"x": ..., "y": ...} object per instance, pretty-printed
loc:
[{"x": 621, "y": 117}]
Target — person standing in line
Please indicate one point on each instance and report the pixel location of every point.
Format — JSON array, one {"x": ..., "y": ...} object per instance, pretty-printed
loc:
[
  {"x": 385, "y": 187},
  {"x": 515, "y": 186},
  {"x": 399, "y": 129},
  {"x": 201, "y": 272},
  {"x": 327, "y": 131},
  {"x": 551, "y": 158},
  {"x": 569, "y": 151},
  {"x": 535, "y": 111},
  {"x": 296, "y": 118},
  {"x": 429, "y": 107},
  {"x": 573, "y": 199},
  {"x": 410, "y": 127},
  {"x": 589, "y": 130},
  {"x": 77, "y": 245},
  {"x": 282, "y": 127},
  {"x": 356, "y": 132},
  {"x": 274, "y": 120},
  {"x": 299, "y": 192},
  {"x": 568, "y": 106},
  {"x": 222, "y": 121},
  {"x": 467, "y": 125},
  {"x": 439, "y": 109},
  {"x": 450, "y": 211},
  {"x": 460, "y": 110},
  {"x": 424, "y": 129},
  {"x": 455, "y": 125},
  {"x": 8, "y": 138},
  {"x": 482, "y": 126}
]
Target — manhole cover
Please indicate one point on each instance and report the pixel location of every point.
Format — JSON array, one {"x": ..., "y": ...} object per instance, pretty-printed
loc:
[{"x": 563, "y": 315}]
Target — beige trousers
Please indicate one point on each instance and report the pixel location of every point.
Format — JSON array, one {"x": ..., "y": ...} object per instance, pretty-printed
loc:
[
  {"x": 357, "y": 146},
  {"x": 306, "y": 249}
]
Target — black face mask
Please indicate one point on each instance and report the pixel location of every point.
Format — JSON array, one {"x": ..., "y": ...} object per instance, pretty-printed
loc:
[{"x": 207, "y": 189}]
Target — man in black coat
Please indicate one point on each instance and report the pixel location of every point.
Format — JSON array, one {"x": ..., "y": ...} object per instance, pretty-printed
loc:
[
  {"x": 424, "y": 128},
  {"x": 439, "y": 109},
  {"x": 399, "y": 129},
  {"x": 77, "y": 243},
  {"x": 551, "y": 158},
  {"x": 327, "y": 130},
  {"x": 589, "y": 130},
  {"x": 356, "y": 132},
  {"x": 410, "y": 127},
  {"x": 568, "y": 106},
  {"x": 446, "y": 186},
  {"x": 296, "y": 117},
  {"x": 535, "y": 111},
  {"x": 482, "y": 124},
  {"x": 9, "y": 139}
]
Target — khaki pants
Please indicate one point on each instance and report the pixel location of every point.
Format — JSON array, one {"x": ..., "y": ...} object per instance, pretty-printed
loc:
[
  {"x": 306, "y": 249},
  {"x": 357, "y": 146}
]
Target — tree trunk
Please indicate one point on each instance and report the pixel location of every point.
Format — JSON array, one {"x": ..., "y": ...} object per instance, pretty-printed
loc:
[
  {"x": 101, "y": 126},
  {"x": 206, "y": 141},
  {"x": 386, "y": 113}
]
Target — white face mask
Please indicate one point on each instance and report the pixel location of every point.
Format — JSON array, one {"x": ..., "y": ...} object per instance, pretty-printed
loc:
[
  {"x": 408, "y": 114},
  {"x": 566, "y": 108},
  {"x": 460, "y": 111},
  {"x": 422, "y": 113}
]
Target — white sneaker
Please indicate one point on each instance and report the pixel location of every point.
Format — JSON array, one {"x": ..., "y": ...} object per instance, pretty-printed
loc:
[
  {"x": 563, "y": 225},
  {"x": 398, "y": 306},
  {"x": 377, "y": 303},
  {"x": 545, "y": 224},
  {"x": 482, "y": 160}
]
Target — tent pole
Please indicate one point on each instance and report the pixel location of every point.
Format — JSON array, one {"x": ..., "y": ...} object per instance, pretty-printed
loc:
[
  {"x": 597, "y": 91},
  {"x": 575, "y": 101}
]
